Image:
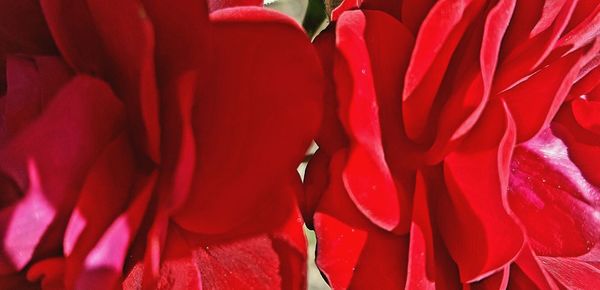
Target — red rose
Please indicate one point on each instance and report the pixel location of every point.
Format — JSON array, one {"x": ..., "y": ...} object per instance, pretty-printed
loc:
[
  {"x": 455, "y": 150},
  {"x": 149, "y": 140}
]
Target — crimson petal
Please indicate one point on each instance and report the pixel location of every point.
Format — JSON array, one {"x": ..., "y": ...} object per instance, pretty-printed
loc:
[
  {"x": 269, "y": 117},
  {"x": 367, "y": 177},
  {"x": 351, "y": 249},
  {"x": 480, "y": 231},
  {"x": 438, "y": 37},
  {"x": 118, "y": 45},
  {"x": 546, "y": 185},
  {"x": 48, "y": 162}
]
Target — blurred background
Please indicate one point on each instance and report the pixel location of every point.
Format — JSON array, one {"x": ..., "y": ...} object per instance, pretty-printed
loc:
[{"x": 313, "y": 23}]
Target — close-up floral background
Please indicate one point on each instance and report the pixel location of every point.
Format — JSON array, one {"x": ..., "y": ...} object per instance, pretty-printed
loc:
[{"x": 299, "y": 144}]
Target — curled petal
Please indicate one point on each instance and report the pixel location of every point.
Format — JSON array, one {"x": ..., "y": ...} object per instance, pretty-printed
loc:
[
  {"x": 48, "y": 161},
  {"x": 473, "y": 77},
  {"x": 480, "y": 231},
  {"x": 527, "y": 42},
  {"x": 438, "y": 37},
  {"x": 533, "y": 113},
  {"x": 103, "y": 264},
  {"x": 351, "y": 249},
  {"x": 117, "y": 45},
  {"x": 103, "y": 197},
  {"x": 546, "y": 185},
  {"x": 367, "y": 177}
]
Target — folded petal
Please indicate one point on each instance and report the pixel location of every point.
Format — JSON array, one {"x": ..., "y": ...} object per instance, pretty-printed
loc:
[
  {"x": 545, "y": 185},
  {"x": 117, "y": 45},
  {"x": 103, "y": 265},
  {"x": 270, "y": 116},
  {"x": 582, "y": 144},
  {"x": 529, "y": 272},
  {"x": 103, "y": 197},
  {"x": 421, "y": 262},
  {"x": 331, "y": 136},
  {"x": 478, "y": 227},
  {"x": 498, "y": 280},
  {"x": 438, "y": 37},
  {"x": 531, "y": 36},
  {"x": 48, "y": 162},
  {"x": 351, "y": 249},
  {"x": 533, "y": 113},
  {"x": 32, "y": 83},
  {"x": 470, "y": 78},
  {"x": 367, "y": 177}
]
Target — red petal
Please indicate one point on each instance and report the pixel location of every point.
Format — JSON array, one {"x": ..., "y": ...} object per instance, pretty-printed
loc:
[
  {"x": 103, "y": 265},
  {"x": 316, "y": 181},
  {"x": 192, "y": 264},
  {"x": 342, "y": 7},
  {"x": 583, "y": 145},
  {"x": 476, "y": 226},
  {"x": 48, "y": 161},
  {"x": 529, "y": 270},
  {"x": 103, "y": 197},
  {"x": 351, "y": 250},
  {"x": 498, "y": 280},
  {"x": 572, "y": 273},
  {"x": 587, "y": 114},
  {"x": 421, "y": 273},
  {"x": 585, "y": 31},
  {"x": 183, "y": 47},
  {"x": 331, "y": 135},
  {"x": 367, "y": 177},
  {"x": 23, "y": 30},
  {"x": 286, "y": 86},
  {"x": 51, "y": 272},
  {"x": 528, "y": 43},
  {"x": 17, "y": 281},
  {"x": 471, "y": 77},
  {"x": 117, "y": 44},
  {"x": 220, "y": 4},
  {"x": 290, "y": 245},
  {"x": 532, "y": 113},
  {"x": 414, "y": 12},
  {"x": 546, "y": 186},
  {"x": 439, "y": 35},
  {"x": 32, "y": 83}
]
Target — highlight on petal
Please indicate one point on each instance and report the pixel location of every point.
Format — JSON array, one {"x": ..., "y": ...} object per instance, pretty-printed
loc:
[
  {"x": 367, "y": 177},
  {"x": 545, "y": 185},
  {"x": 469, "y": 79},
  {"x": 351, "y": 249},
  {"x": 103, "y": 265},
  {"x": 61, "y": 144},
  {"x": 438, "y": 37}
]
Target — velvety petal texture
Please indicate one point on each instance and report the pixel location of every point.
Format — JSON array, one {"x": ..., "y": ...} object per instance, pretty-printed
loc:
[
  {"x": 153, "y": 144},
  {"x": 466, "y": 135}
]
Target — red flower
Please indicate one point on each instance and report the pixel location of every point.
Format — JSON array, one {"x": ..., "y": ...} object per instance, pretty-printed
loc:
[
  {"x": 150, "y": 140},
  {"x": 455, "y": 150}
]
